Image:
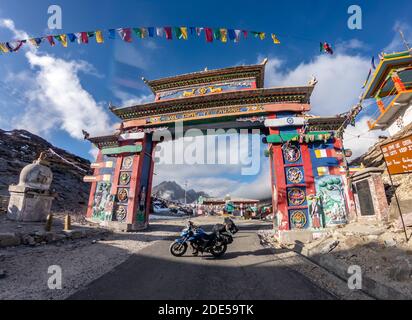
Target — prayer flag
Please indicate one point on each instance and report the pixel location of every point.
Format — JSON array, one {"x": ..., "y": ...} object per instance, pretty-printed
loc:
[
  {"x": 112, "y": 34},
  {"x": 3, "y": 48},
  {"x": 232, "y": 34},
  {"x": 72, "y": 37},
  {"x": 159, "y": 32},
  {"x": 192, "y": 30},
  {"x": 138, "y": 32},
  {"x": 168, "y": 31},
  {"x": 125, "y": 34},
  {"x": 199, "y": 31},
  {"x": 216, "y": 34},
  {"x": 183, "y": 31},
  {"x": 151, "y": 32},
  {"x": 237, "y": 33},
  {"x": 62, "y": 38},
  {"x": 90, "y": 34},
  {"x": 51, "y": 40},
  {"x": 84, "y": 37},
  {"x": 244, "y": 34},
  {"x": 275, "y": 39},
  {"x": 209, "y": 34},
  {"x": 223, "y": 35},
  {"x": 99, "y": 37},
  {"x": 143, "y": 32},
  {"x": 178, "y": 32},
  {"x": 367, "y": 79},
  {"x": 262, "y": 35}
]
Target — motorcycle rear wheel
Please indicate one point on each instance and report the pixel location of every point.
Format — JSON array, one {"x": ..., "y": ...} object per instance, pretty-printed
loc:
[
  {"x": 218, "y": 249},
  {"x": 178, "y": 249}
]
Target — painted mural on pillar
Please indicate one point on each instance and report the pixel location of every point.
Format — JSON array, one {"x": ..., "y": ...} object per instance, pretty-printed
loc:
[
  {"x": 103, "y": 202},
  {"x": 332, "y": 199}
]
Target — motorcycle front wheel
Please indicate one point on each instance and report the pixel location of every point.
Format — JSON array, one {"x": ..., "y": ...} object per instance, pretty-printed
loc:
[
  {"x": 218, "y": 249},
  {"x": 178, "y": 249}
]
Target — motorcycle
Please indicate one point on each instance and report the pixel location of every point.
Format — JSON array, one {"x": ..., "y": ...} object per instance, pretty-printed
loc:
[{"x": 199, "y": 240}]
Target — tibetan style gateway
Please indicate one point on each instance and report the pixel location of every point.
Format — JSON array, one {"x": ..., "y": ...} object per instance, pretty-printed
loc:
[{"x": 306, "y": 156}]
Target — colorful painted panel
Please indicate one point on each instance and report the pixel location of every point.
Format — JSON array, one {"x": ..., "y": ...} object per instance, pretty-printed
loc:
[
  {"x": 294, "y": 175},
  {"x": 103, "y": 202},
  {"x": 332, "y": 199},
  {"x": 315, "y": 215},
  {"x": 298, "y": 219},
  {"x": 291, "y": 153},
  {"x": 214, "y": 112},
  {"x": 296, "y": 197},
  {"x": 206, "y": 89}
]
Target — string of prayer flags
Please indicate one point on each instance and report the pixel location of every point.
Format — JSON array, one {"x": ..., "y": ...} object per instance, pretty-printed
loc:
[
  {"x": 125, "y": 34},
  {"x": 367, "y": 79}
]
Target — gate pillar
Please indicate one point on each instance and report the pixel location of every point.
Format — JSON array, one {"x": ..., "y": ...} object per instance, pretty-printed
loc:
[{"x": 121, "y": 184}]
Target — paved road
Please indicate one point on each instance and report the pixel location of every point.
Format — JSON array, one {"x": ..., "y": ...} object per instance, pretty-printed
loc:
[{"x": 247, "y": 271}]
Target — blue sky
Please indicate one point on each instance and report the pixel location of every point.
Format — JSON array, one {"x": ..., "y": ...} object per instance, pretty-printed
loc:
[{"x": 38, "y": 89}]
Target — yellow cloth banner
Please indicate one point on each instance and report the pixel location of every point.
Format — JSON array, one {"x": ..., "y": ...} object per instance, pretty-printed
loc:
[
  {"x": 275, "y": 39},
  {"x": 3, "y": 48},
  {"x": 99, "y": 37},
  {"x": 63, "y": 40},
  {"x": 183, "y": 30},
  {"x": 223, "y": 35},
  {"x": 262, "y": 35}
]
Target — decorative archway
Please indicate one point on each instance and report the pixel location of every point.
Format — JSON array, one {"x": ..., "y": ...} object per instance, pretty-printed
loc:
[{"x": 306, "y": 156}]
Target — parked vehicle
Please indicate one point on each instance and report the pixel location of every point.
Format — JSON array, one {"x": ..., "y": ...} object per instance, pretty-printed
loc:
[{"x": 200, "y": 241}]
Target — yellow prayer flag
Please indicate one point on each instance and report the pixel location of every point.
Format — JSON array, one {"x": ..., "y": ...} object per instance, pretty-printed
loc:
[
  {"x": 3, "y": 48},
  {"x": 183, "y": 30},
  {"x": 63, "y": 40},
  {"x": 223, "y": 35},
  {"x": 262, "y": 35},
  {"x": 275, "y": 39},
  {"x": 99, "y": 36}
]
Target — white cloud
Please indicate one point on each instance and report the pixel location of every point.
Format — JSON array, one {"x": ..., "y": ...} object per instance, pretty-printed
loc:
[
  {"x": 359, "y": 139},
  {"x": 54, "y": 94},
  {"x": 340, "y": 79}
]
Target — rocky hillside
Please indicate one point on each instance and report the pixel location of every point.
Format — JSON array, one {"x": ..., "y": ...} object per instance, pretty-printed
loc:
[
  {"x": 170, "y": 190},
  {"x": 374, "y": 158},
  {"x": 19, "y": 148}
]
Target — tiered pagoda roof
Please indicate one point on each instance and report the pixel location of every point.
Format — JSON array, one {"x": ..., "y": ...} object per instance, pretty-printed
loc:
[{"x": 256, "y": 72}]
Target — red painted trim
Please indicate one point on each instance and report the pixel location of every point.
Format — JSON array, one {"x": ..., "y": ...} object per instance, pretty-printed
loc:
[
  {"x": 281, "y": 187},
  {"x": 89, "y": 212}
]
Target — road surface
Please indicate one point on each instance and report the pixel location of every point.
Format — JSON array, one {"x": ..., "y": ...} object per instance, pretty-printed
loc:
[{"x": 247, "y": 271}]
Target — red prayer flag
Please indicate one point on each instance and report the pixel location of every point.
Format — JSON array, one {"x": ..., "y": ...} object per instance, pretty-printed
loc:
[
  {"x": 209, "y": 34},
  {"x": 51, "y": 40},
  {"x": 84, "y": 37},
  {"x": 244, "y": 34},
  {"x": 168, "y": 31}
]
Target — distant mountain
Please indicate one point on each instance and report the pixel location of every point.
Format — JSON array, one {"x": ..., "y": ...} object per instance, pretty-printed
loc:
[
  {"x": 170, "y": 190},
  {"x": 19, "y": 148}
]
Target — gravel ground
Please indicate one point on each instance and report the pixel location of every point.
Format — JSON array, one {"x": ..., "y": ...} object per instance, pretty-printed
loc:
[{"x": 82, "y": 261}]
